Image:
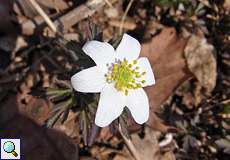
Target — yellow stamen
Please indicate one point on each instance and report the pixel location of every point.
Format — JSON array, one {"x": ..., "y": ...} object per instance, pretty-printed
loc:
[
  {"x": 135, "y": 62},
  {"x": 124, "y": 76}
]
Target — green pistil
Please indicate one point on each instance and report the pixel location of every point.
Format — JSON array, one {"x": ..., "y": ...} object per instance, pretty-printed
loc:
[{"x": 125, "y": 76}]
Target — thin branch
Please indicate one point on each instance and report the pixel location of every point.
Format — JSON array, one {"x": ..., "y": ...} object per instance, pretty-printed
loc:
[
  {"x": 69, "y": 19},
  {"x": 130, "y": 145},
  {"x": 43, "y": 15},
  {"x": 227, "y": 101},
  {"x": 79, "y": 13},
  {"x": 125, "y": 15},
  {"x": 108, "y": 3}
]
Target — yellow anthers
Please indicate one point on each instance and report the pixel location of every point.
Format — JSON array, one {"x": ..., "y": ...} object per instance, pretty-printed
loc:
[
  {"x": 130, "y": 65},
  {"x": 115, "y": 67},
  {"x": 137, "y": 75},
  {"x": 125, "y": 76},
  {"x": 139, "y": 85},
  {"x": 135, "y": 62},
  {"x": 130, "y": 86},
  {"x": 125, "y": 61},
  {"x": 137, "y": 68}
]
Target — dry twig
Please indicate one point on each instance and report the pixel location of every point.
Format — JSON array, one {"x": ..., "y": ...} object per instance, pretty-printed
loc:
[
  {"x": 130, "y": 25},
  {"x": 67, "y": 20},
  {"x": 79, "y": 13},
  {"x": 109, "y": 3},
  {"x": 43, "y": 15}
]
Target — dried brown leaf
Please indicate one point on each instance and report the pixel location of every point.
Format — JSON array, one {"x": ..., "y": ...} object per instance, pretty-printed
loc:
[
  {"x": 165, "y": 52},
  {"x": 38, "y": 142},
  {"x": 227, "y": 5},
  {"x": 223, "y": 144},
  {"x": 201, "y": 61},
  {"x": 54, "y": 4},
  {"x": 147, "y": 148},
  {"x": 34, "y": 108}
]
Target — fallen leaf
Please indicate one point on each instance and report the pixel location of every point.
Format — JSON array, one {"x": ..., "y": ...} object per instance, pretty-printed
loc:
[
  {"x": 35, "y": 108},
  {"x": 223, "y": 144},
  {"x": 189, "y": 143},
  {"x": 6, "y": 25},
  {"x": 54, "y": 4},
  {"x": 26, "y": 8},
  {"x": 37, "y": 142},
  {"x": 201, "y": 61},
  {"x": 168, "y": 156},
  {"x": 147, "y": 148},
  {"x": 165, "y": 52},
  {"x": 227, "y": 5}
]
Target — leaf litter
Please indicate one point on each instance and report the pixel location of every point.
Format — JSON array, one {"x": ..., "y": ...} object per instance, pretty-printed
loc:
[{"x": 199, "y": 121}]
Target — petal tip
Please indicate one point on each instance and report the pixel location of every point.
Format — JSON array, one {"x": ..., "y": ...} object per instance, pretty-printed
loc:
[
  {"x": 143, "y": 120},
  {"x": 100, "y": 123},
  {"x": 129, "y": 48},
  {"x": 73, "y": 81}
]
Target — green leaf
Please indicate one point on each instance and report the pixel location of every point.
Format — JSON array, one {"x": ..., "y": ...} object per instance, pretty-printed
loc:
[
  {"x": 58, "y": 94},
  {"x": 61, "y": 109},
  {"x": 226, "y": 109}
]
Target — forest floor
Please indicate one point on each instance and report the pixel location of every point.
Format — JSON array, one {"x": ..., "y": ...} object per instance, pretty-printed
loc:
[{"x": 187, "y": 43}]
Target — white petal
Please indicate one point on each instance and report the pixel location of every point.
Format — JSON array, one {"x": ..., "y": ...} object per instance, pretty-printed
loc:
[
  {"x": 101, "y": 52},
  {"x": 129, "y": 48},
  {"x": 89, "y": 80},
  {"x": 138, "y": 104},
  {"x": 110, "y": 105},
  {"x": 145, "y": 66}
]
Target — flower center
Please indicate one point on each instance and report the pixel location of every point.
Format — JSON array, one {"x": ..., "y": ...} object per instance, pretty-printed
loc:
[{"x": 125, "y": 76}]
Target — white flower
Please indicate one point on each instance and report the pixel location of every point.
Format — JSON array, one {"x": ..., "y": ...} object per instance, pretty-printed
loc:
[{"x": 119, "y": 76}]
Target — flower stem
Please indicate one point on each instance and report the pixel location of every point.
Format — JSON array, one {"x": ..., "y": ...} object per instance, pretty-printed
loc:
[
  {"x": 124, "y": 16},
  {"x": 130, "y": 145}
]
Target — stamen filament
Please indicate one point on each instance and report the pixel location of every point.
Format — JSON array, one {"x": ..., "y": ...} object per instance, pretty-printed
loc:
[{"x": 125, "y": 76}]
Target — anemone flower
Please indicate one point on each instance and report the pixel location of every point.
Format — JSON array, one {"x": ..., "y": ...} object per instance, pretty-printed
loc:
[{"x": 119, "y": 76}]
